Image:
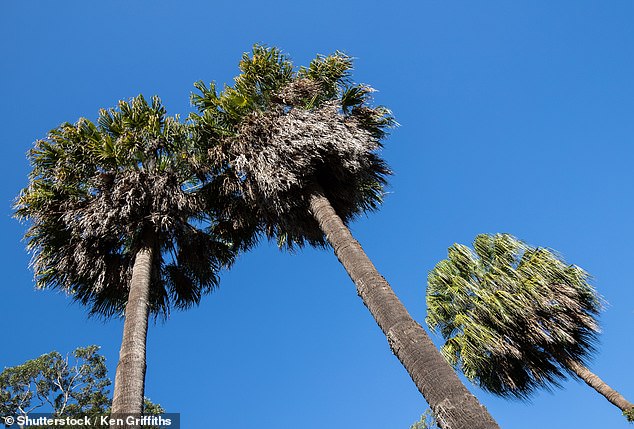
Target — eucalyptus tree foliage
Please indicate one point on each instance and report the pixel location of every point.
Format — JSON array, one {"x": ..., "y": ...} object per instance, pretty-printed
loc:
[
  {"x": 294, "y": 152},
  {"x": 427, "y": 421},
  {"x": 515, "y": 318},
  {"x": 59, "y": 384},
  {"x": 73, "y": 385},
  {"x": 117, "y": 222}
]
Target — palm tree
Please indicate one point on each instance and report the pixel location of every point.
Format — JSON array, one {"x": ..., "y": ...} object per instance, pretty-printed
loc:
[
  {"x": 116, "y": 222},
  {"x": 297, "y": 152},
  {"x": 516, "y": 318}
]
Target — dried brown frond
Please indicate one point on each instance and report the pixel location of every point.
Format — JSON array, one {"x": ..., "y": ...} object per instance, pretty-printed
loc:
[
  {"x": 298, "y": 92},
  {"x": 280, "y": 156}
]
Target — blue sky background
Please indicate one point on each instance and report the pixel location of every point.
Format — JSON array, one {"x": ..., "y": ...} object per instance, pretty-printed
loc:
[{"x": 515, "y": 117}]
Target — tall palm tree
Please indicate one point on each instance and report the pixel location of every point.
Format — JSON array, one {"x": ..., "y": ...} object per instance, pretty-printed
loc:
[
  {"x": 297, "y": 152},
  {"x": 516, "y": 318},
  {"x": 115, "y": 221}
]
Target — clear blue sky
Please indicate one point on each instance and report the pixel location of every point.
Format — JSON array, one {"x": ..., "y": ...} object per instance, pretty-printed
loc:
[{"x": 515, "y": 117}]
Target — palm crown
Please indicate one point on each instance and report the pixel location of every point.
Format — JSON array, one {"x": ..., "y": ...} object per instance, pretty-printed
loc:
[
  {"x": 99, "y": 192},
  {"x": 513, "y": 316},
  {"x": 279, "y": 133}
]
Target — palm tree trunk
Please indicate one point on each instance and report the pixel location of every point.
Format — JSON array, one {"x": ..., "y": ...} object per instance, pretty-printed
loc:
[
  {"x": 452, "y": 404},
  {"x": 600, "y": 386},
  {"x": 129, "y": 384}
]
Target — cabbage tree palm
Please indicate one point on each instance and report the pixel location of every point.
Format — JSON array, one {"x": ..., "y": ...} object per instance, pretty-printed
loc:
[
  {"x": 297, "y": 152},
  {"x": 516, "y": 318},
  {"x": 115, "y": 221}
]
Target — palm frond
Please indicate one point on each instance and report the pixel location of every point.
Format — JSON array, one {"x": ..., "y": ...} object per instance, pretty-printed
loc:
[
  {"x": 96, "y": 189},
  {"x": 513, "y": 316},
  {"x": 278, "y": 134}
]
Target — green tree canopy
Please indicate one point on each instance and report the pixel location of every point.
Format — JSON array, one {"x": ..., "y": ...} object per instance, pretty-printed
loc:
[
  {"x": 73, "y": 385},
  {"x": 55, "y": 383},
  {"x": 426, "y": 421}
]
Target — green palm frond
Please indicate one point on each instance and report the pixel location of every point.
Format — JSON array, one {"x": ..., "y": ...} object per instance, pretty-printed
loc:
[{"x": 512, "y": 315}]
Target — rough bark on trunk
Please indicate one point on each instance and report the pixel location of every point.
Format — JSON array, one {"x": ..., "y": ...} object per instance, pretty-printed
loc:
[
  {"x": 452, "y": 404},
  {"x": 129, "y": 384},
  {"x": 600, "y": 386}
]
